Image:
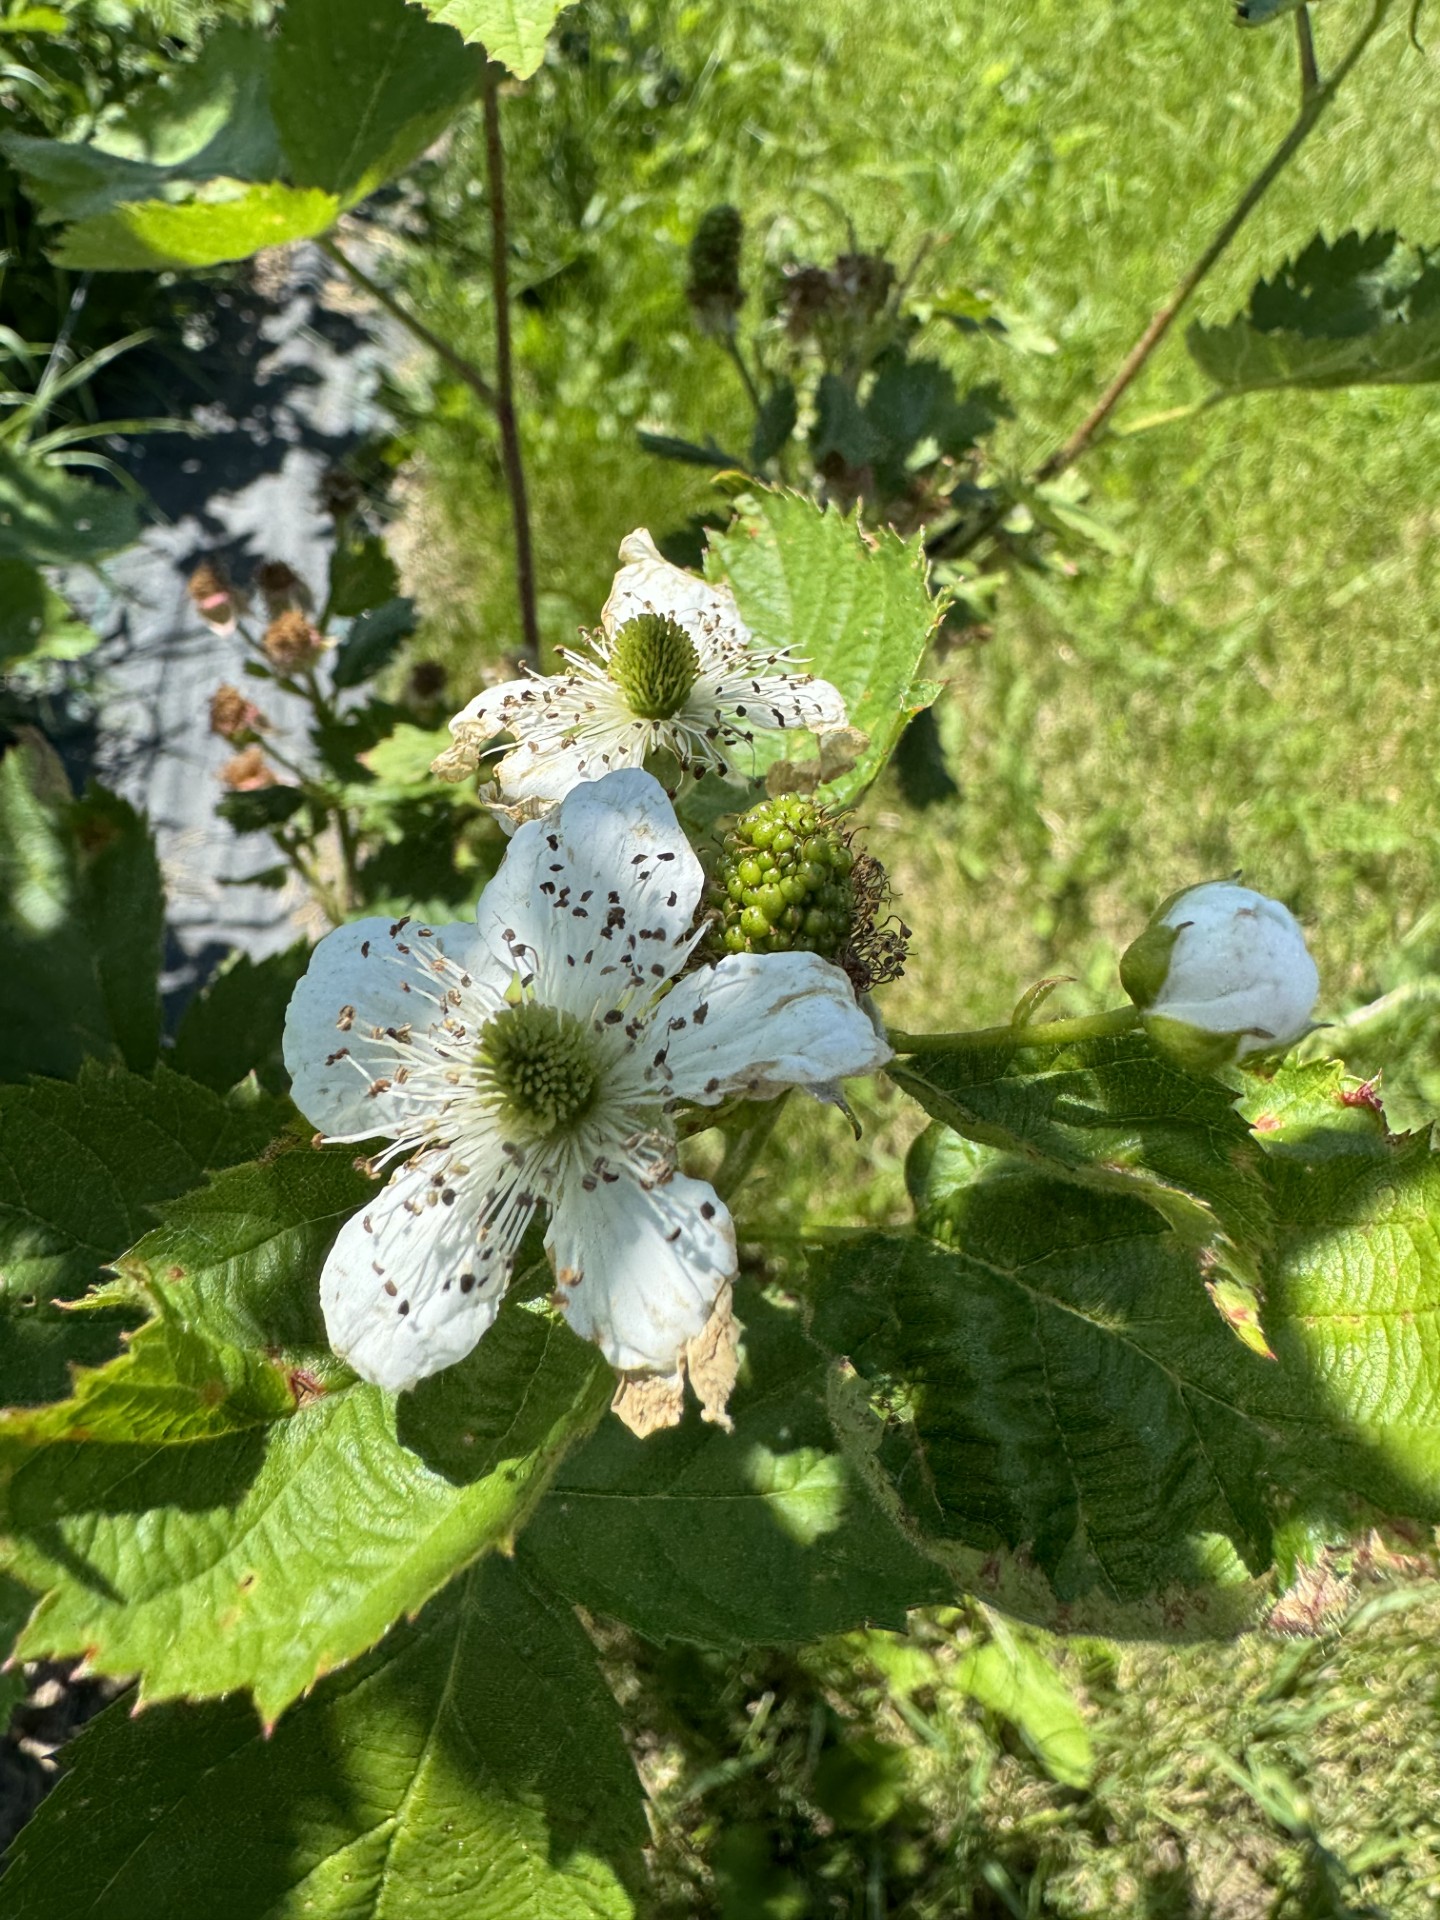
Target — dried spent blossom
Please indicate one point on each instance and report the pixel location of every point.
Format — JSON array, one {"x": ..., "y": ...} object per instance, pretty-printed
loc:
[
  {"x": 338, "y": 492},
  {"x": 282, "y": 589},
  {"x": 232, "y": 715},
  {"x": 291, "y": 642},
  {"x": 808, "y": 295},
  {"x": 214, "y": 599},
  {"x": 247, "y": 771},
  {"x": 427, "y": 681}
]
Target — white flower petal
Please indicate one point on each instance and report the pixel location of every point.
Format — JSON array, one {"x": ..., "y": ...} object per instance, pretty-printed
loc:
[
  {"x": 410, "y": 1284},
  {"x": 547, "y": 770},
  {"x": 366, "y": 982},
  {"x": 770, "y": 700},
  {"x": 639, "y": 1271},
  {"x": 756, "y": 1023},
  {"x": 648, "y": 583},
  {"x": 567, "y": 728},
  {"x": 606, "y": 881},
  {"x": 1239, "y": 965}
]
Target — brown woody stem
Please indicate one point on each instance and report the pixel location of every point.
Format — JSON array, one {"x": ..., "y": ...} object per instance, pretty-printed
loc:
[
  {"x": 462, "y": 368},
  {"x": 504, "y": 364}
]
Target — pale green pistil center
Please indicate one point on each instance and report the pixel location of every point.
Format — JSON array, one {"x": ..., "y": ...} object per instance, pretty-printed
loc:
[
  {"x": 654, "y": 664},
  {"x": 541, "y": 1064}
]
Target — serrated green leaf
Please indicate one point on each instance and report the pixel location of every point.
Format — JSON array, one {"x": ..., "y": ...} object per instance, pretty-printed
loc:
[
  {"x": 224, "y": 220},
  {"x": 513, "y": 32},
  {"x": 473, "y": 1765},
  {"x": 40, "y": 1343},
  {"x": 14, "y": 1606},
  {"x": 49, "y": 517},
  {"x": 1016, "y": 1681},
  {"x": 1393, "y": 1041},
  {"x": 757, "y": 1537},
  {"x": 1311, "y": 1107},
  {"x": 855, "y": 606},
  {"x": 373, "y": 641},
  {"x": 362, "y": 576},
  {"x": 52, "y": 1008},
  {"x": 235, "y": 1025},
  {"x": 81, "y": 922},
  {"x": 1060, "y": 1389},
  {"x": 72, "y": 179},
  {"x": 1355, "y": 1274},
  {"x": 259, "y": 809},
  {"x": 360, "y": 88},
  {"x": 1363, "y": 310},
  {"x": 22, "y": 610},
  {"x": 774, "y": 423},
  {"x": 170, "y": 1386},
  {"x": 84, "y": 1168},
  {"x": 401, "y": 761},
  {"x": 203, "y": 119},
  {"x": 1067, "y": 1390},
  {"x": 304, "y": 1541},
  {"x": 914, "y": 402},
  {"x": 124, "y": 901},
  {"x": 35, "y": 622},
  {"x": 842, "y": 429},
  {"x": 248, "y": 1246},
  {"x": 1110, "y": 1113}
]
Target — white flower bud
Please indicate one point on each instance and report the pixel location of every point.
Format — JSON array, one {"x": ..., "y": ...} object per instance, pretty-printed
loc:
[{"x": 1221, "y": 972}]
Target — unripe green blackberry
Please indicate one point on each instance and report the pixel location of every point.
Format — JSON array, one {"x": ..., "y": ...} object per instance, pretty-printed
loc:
[
  {"x": 714, "y": 290},
  {"x": 784, "y": 881}
]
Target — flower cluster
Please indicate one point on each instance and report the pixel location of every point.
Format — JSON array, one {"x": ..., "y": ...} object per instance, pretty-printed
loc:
[{"x": 537, "y": 1058}]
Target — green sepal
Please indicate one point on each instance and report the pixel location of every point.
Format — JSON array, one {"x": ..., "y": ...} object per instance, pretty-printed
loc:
[
  {"x": 1145, "y": 963},
  {"x": 1192, "y": 1048}
]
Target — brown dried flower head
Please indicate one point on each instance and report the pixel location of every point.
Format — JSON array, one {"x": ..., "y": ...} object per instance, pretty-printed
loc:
[
  {"x": 283, "y": 589},
  {"x": 339, "y": 493},
  {"x": 427, "y": 680},
  {"x": 248, "y": 771},
  {"x": 290, "y": 642},
  {"x": 879, "y": 939},
  {"x": 215, "y": 600},
  {"x": 232, "y": 715},
  {"x": 807, "y": 299}
]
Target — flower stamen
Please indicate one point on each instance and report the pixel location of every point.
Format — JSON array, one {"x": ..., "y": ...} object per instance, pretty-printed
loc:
[{"x": 537, "y": 1062}]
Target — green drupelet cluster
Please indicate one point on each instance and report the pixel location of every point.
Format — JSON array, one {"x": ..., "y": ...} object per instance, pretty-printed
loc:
[{"x": 784, "y": 882}]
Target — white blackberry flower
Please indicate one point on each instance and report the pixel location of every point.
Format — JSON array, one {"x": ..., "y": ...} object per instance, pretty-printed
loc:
[
  {"x": 536, "y": 1058},
  {"x": 673, "y": 669}
]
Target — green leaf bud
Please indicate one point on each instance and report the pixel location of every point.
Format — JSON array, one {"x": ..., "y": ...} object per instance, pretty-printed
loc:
[{"x": 714, "y": 289}]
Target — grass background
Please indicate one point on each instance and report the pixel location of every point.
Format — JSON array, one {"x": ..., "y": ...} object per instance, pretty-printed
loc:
[{"x": 1244, "y": 682}]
